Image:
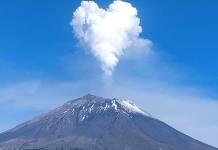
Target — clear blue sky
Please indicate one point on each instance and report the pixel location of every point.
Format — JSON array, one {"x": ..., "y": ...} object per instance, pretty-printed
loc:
[{"x": 37, "y": 43}]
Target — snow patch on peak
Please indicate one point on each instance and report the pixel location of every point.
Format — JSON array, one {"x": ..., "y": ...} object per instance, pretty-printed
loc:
[
  {"x": 132, "y": 108},
  {"x": 113, "y": 104},
  {"x": 90, "y": 103}
]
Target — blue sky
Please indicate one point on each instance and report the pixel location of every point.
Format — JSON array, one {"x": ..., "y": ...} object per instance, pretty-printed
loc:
[
  {"x": 36, "y": 34},
  {"x": 42, "y": 64}
]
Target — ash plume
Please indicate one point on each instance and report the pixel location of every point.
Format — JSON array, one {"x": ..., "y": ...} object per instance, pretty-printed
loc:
[{"x": 108, "y": 33}]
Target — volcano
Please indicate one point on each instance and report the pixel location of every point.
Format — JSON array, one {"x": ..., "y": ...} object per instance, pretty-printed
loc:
[{"x": 95, "y": 123}]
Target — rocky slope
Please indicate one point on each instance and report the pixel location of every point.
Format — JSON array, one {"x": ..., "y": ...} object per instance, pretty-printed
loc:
[{"x": 96, "y": 123}]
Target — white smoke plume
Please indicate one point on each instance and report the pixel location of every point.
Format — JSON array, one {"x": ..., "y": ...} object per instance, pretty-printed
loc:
[{"x": 108, "y": 33}]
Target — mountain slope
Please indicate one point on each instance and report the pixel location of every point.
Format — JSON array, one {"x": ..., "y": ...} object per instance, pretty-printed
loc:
[{"x": 95, "y": 123}]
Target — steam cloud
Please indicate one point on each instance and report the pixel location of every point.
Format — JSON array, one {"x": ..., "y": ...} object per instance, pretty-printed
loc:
[{"x": 108, "y": 33}]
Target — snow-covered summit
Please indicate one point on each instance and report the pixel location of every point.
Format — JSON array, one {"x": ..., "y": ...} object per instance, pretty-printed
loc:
[
  {"x": 90, "y": 103},
  {"x": 132, "y": 108},
  {"x": 85, "y": 107}
]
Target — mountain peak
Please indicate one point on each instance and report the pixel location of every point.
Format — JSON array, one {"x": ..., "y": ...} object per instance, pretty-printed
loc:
[
  {"x": 91, "y": 102},
  {"x": 89, "y": 96},
  {"x": 96, "y": 123}
]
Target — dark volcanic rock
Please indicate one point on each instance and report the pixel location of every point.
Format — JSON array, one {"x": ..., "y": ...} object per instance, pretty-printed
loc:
[{"x": 95, "y": 123}]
